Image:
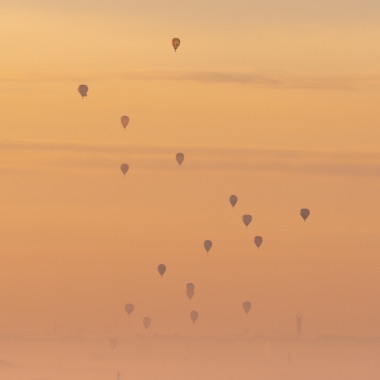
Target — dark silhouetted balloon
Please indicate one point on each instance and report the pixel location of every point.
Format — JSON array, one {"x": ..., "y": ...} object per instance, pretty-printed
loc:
[
  {"x": 124, "y": 121},
  {"x": 233, "y": 200},
  {"x": 179, "y": 158},
  {"x": 176, "y": 42},
  {"x": 83, "y": 89},
  {"x": 190, "y": 290},
  {"x": 305, "y": 212},
  {"x": 194, "y": 316},
  {"x": 247, "y": 219},
  {"x": 129, "y": 308},
  {"x": 247, "y": 306},
  {"x": 161, "y": 269},
  {"x": 207, "y": 244},
  {"x": 258, "y": 241},
  {"x": 146, "y": 322},
  {"x": 124, "y": 168}
]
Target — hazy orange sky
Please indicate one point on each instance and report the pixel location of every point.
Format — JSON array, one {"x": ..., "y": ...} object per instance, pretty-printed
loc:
[{"x": 276, "y": 102}]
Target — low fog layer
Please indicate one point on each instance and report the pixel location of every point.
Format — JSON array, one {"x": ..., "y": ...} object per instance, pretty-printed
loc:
[{"x": 173, "y": 357}]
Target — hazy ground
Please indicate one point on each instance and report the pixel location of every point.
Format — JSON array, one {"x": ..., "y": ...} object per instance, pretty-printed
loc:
[{"x": 154, "y": 357}]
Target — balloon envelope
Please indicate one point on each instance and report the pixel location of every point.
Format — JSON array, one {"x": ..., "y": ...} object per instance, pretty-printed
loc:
[
  {"x": 129, "y": 308},
  {"x": 179, "y": 158},
  {"x": 176, "y": 42},
  {"x": 124, "y": 168},
  {"x": 83, "y": 89},
  {"x": 190, "y": 290},
  {"x": 258, "y": 241},
  {"x": 194, "y": 316},
  {"x": 247, "y": 306},
  {"x": 207, "y": 244},
  {"x": 305, "y": 212},
  {"x": 247, "y": 219},
  {"x": 146, "y": 322},
  {"x": 124, "y": 121},
  {"x": 161, "y": 269},
  {"x": 233, "y": 200}
]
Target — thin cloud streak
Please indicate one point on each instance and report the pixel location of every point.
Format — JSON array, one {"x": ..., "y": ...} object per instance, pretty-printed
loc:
[
  {"x": 77, "y": 156},
  {"x": 243, "y": 77},
  {"x": 268, "y": 80}
]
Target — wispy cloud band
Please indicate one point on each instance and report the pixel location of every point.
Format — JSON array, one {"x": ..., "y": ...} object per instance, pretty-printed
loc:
[
  {"x": 80, "y": 156},
  {"x": 272, "y": 80}
]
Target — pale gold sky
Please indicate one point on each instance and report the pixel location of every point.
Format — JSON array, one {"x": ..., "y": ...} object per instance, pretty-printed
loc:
[{"x": 275, "y": 104}]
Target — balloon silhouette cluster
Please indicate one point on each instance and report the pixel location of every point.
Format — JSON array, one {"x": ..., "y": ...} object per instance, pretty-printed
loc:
[{"x": 233, "y": 199}]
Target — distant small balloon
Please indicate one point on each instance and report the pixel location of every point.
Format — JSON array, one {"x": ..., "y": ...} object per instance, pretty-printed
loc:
[
  {"x": 247, "y": 306},
  {"x": 129, "y": 308},
  {"x": 194, "y": 316},
  {"x": 124, "y": 168},
  {"x": 176, "y": 42},
  {"x": 247, "y": 219},
  {"x": 161, "y": 269},
  {"x": 190, "y": 290},
  {"x": 207, "y": 244},
  {"x": 124, "y": 121},
  {"x": 258, "y": 241},
  {"x": 179, "y": 158},
  {"x": 146, "y": 322},
  {"x": 305, "y": 212},
  {"x": 83, "y": 89},
  {"x": 112, "y": 343},
  {"x": 233, "y": 200}
]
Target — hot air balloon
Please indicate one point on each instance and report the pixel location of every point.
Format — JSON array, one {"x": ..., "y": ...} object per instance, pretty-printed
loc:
[
  {"x": 247, "y": 219},
  {"x": 161, "y": 269},
  {"x": 146, "y": 322},
  {"x": 247, "y": 306},
  {"x": 233, "y": 200},
  {"x": 179, "y": 157},
  {"x": 190, "y": 287},
  {"x": 124, "y": 168},
  {"x": 207, "y": 244},
  {"x": 176, "y": 42},
  {"x": 112, "y": 343},
  {"x": 305, "y": 212},
  {"x": 194, "y": 316},
  {"x": 124, "y": 121},
  {"x": 83, "y": 89},
  {"x": 258, "y": 241},
  {"x": 129, "y": 308}
]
